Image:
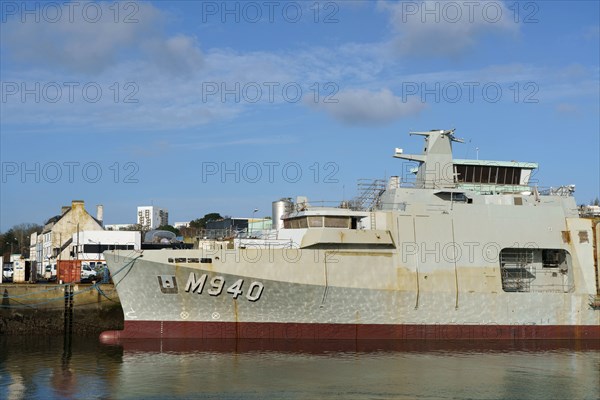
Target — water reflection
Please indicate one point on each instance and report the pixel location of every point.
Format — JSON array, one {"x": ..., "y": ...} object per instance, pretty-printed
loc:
[
  {"x": 360, "y": 346},
  {"x": 56, "y": 367},
  {"x": 64, "y": 379}
]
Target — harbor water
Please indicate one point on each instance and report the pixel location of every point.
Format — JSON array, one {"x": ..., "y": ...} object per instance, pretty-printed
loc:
[{"x": 55, "y": 367}]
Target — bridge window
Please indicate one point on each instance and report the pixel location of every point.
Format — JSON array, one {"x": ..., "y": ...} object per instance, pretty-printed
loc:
[
  {"x": 295, "y": 223},
  {"x": 315, "y": 222},
  {"x": 337, "y": 222},
  {"x": 488, "y": 174},
  {"x": 318, "y": 221}
]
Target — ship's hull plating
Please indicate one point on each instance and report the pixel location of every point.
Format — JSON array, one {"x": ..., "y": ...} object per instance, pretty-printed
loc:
[{"x": 163, "y": 300}]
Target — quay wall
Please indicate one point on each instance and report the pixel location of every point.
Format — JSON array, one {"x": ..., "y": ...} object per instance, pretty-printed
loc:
[{"x": 49, "y": 309}]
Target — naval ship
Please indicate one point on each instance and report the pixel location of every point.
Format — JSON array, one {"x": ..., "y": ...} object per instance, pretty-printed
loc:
[{"x": 467, "y": 249}]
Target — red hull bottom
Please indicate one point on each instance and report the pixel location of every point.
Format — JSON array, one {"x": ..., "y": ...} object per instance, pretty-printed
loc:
[{"x": 270, "y": 330}]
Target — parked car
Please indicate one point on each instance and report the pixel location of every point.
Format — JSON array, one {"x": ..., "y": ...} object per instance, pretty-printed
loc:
[{"x": 7, "y": 274}]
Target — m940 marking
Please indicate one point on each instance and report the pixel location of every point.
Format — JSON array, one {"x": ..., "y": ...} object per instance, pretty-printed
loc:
[{"x": 217, "y": 284}]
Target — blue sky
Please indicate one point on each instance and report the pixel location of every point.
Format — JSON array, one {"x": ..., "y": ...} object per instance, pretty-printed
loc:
[{"x": 220, "y": 106}]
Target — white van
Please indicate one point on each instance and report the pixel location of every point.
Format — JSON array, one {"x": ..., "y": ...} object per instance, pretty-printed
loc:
[{"x": 87, "y": 272}]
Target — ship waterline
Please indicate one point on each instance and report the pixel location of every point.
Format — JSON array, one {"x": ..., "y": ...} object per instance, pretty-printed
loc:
[
  {"x": 296, "y": 331},
  {"x": 438, "y": 261}
]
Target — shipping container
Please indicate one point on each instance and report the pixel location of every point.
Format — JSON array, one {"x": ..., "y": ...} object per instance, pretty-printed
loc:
[{"x": 69, "y": 271}]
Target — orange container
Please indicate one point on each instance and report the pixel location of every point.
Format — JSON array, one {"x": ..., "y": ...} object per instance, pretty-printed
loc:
[{"x": 69, "y": 271}]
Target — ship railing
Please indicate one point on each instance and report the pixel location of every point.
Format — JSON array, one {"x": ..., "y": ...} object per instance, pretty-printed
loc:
[
  {"x": 342, "y": 204},
  {"x": 408, "y": 181},
  {"x": 321, "y": 203},
  {"x": 492, "y": 188},
  {"x": 264, "y": 234},
  {"x": 254, "y": 243},
  {"x": 480, "y": 188},
  {"x": 313, "y": 204},
  {"x": 523, "y": 283},
  {"x": 564, "y": 191},
  {"x": 215, "y": 234}
]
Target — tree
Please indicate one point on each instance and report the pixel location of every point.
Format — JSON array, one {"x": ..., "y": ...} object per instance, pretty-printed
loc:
[
  {"x": 17, "y": 239},
  {"x": 8, "y": 243},
  {"x": 200, "y": 223},
  {"x": 133, "y": 227}
]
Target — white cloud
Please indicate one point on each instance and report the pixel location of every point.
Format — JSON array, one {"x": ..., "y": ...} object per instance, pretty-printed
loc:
[
  {"x": 77, "y": 43},
  {"x": 366, "y": 107},
  {"x": 142, "y": 52},
  {"x": 178, "y": 54},
  {"x": 567, "y": 108},
  {"x": 438, "y": 28}
]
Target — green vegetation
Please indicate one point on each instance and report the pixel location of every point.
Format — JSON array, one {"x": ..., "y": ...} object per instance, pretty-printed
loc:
[{"x": 200, "y": 223}]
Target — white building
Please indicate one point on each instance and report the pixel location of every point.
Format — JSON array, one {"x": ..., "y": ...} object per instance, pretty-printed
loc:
[
  {"x": 35, "y": 250},
  {"x": 180, "y": 225},
  {"x": 89, "y": 245},
  {"x": 151, "y": 217},
  {"x": 591, "y": 210}
]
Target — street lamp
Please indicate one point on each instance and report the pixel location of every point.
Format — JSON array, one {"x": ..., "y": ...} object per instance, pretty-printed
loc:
[
  {"x": 253, "y": 213},
  {"x": 100, "y": 262},
  {"x": 11, "y": 247},
  {"x": 99, "y": 245}
]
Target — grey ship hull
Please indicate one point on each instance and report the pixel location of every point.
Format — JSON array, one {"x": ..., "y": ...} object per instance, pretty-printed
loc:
[{"x": 336, "y": 294}]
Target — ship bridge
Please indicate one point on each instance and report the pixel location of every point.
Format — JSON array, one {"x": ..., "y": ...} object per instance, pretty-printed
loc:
[
  {"x": 487, "y": 176},
  {"x": 438, "y": 170}
]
